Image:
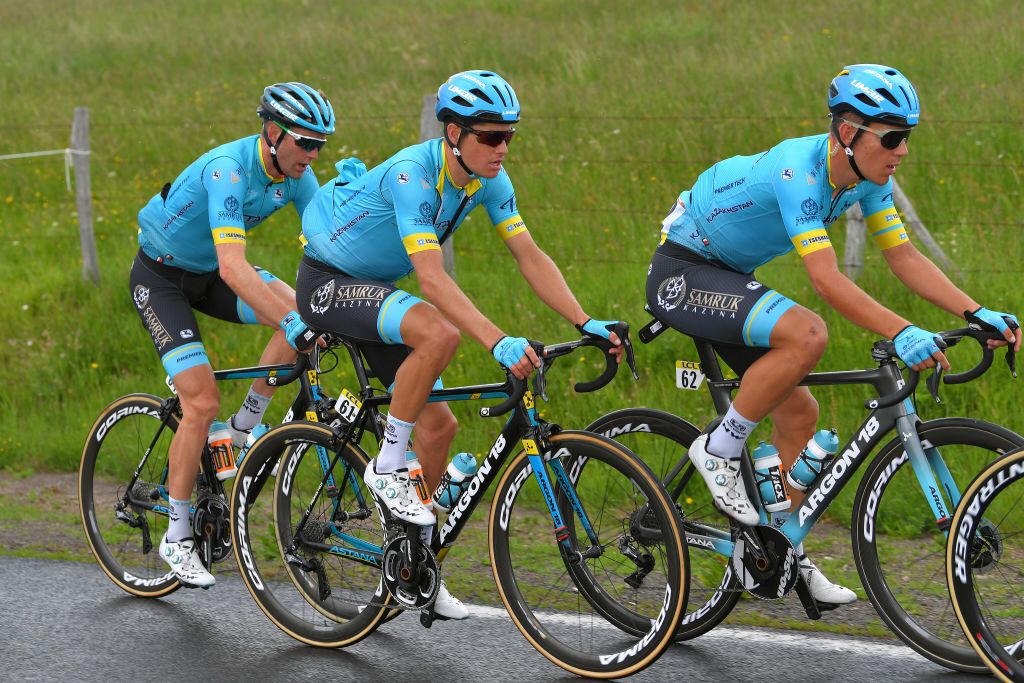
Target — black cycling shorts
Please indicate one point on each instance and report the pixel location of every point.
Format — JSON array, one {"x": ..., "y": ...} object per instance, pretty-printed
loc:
[{"x": 165, "y": 297}]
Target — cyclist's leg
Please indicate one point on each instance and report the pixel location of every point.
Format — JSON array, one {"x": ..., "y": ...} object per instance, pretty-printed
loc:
[
  {"x": 221, "y": 302},
  {"x": 435, "y": 432},
  {"x": 379, "y": 313},
  {"x": 163, "y": 298}
]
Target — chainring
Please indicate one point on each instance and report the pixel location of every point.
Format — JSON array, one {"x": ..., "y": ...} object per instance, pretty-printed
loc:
[
  {"x": 415, "y": 586},
  {"x": 773, "y": 575},
  {"x": 212, "y": 519}
]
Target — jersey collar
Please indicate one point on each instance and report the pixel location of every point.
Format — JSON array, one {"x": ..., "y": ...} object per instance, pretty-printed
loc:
[
  {"x": 470, "y": 188},
  {"x": 828, "y": 165},
  {"x": 263, "y": 167}
]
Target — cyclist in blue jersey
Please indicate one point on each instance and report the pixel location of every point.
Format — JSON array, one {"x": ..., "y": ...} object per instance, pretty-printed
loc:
[
  {"x": 743, "y": 212},
  {"x": 366, "y": 229},
  {"x": 192, "y": 238}
]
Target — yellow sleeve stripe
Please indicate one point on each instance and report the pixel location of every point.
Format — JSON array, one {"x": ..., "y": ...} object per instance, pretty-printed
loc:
[
  {"x": 228, "y": 236},
  {"x": 811, "y": 241},
  {"x": 510, "y": 227},
  {"x": 302, "y": 239},
  {"x": 420, "y": 241},
  {"x": 886, "y": 228}
]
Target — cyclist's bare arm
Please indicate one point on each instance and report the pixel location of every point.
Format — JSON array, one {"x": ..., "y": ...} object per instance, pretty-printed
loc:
[{"x": 244, "y": 281}]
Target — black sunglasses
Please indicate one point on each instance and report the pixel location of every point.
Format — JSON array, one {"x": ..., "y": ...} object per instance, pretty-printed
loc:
[
  {"x": 491, "y": 138},
  {"x": 889, "y": 139},
  {"x": 304, "y": 141}
]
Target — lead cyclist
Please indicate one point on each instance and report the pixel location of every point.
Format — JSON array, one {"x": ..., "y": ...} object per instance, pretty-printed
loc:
[{"x": 743, "y": 212}]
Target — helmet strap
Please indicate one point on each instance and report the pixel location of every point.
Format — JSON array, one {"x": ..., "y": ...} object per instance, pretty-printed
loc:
[
  {"x": 455, "y": 149},
  {"x": 848, "y": 148},
  {"x": 272, "y": 146}
]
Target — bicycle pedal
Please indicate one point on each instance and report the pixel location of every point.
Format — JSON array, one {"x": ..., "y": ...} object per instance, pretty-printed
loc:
[
  {"x": 427, "y": 617},
  {"x": 826, "y": 606}
]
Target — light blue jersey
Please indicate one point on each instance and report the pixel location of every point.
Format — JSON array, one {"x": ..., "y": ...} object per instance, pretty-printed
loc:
[
  {"x": 746, "y": 210},
  {"x": 367, "y": 224},
  {"x": 216, "y": 200}
]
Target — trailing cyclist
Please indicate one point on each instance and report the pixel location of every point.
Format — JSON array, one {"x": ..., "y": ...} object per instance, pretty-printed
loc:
[
  {"x": 366, "y": 229},
  {"x": 743, "y": 212},
  {"x": 192, "y": 239}
]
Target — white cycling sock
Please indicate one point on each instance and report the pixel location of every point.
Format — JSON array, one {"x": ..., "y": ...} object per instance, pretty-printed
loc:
[
  {"x": 392, "y": 450},
  {"x": 251, "y": 411},
  {"x": 728, "y": 438},
  {"x": 180, "y": 528}
]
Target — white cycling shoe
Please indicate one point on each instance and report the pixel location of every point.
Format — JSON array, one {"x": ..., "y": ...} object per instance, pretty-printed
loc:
[
  {"x": 821, "y": 588},
  {"x": 447, "y": 606},
  {"x": 722, "y": 477},
  {"x": 183, "y": 559},
  {"x": 394, "y": 490}
]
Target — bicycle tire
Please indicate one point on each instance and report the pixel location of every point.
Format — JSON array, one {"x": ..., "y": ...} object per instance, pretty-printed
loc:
[
  {"x": 127, "y": 551},
  {"x": 984, "y": 560},
  {"x": 551, "y": 604},
  {"x": 662, "y": 440},
  {"x": 260, "y": 532},
  {"x": 905, "y": 581}
]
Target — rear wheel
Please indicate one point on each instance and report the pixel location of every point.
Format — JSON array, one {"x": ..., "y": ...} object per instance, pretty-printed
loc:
[
  {"x": 317, "y": 580},
  {"x": 662, "y": 441},
  {"x": 125, "y": 521}
]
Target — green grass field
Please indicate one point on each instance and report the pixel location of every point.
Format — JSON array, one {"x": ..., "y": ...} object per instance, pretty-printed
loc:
[{"x": 623, "y": 107}]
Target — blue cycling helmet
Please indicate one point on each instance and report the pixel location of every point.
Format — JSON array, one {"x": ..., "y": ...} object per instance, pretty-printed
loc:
[
  {"x": 297, "y": 104},
  {"x": 875, "y": 92},
  {"x": 477, "y": 96}
]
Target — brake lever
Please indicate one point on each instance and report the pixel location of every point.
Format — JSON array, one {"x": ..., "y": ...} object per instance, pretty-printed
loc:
[
  {"x": 933, "y": 383},
  {"x": 631, "y": 358},
  {"x": 540, "y": 380},
  {"x": 1011, "y": 359}
]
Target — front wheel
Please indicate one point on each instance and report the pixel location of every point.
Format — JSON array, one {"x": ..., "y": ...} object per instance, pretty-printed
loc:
[
  {"x": 985, "y": 565},
  {"x": 898, "y": 546},
  {"x": 603, "y": 594},
  {"x": 125, "y": 516}
]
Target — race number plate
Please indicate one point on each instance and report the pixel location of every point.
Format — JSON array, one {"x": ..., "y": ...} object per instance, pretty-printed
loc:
[
  {"x": 348, "y": 405},
  {"x": 688, "y": 375}
]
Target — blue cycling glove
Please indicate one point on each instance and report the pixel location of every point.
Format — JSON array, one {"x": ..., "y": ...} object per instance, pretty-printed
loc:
[
  {"x": 297, "y": 332},
  {"x": 598, "y": 328},
  {"x": 996, "y": 319},
  {"x": 508, "y": 350},
  {"x": 914, "y": 345}
]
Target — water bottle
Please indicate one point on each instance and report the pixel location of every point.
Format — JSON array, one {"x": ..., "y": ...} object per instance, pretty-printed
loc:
[
  {"x": 812, "y": 459},
  {"x": 219, "y": 441},
  {"x": 257, "y": 431},
  {"x": 454, "y": 481},
  {"x": 416, "y": 478},
  {"x": 768, "y": 477}
]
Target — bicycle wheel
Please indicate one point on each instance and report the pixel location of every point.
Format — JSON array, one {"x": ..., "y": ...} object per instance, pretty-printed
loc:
[
  {"x": 123, "y": 526},
  {"x": 662, "y": 440},
  {"x": 900, "y": 550},
  {"x": 985, "y": 566},
  {"x": 324, "y": 590},
  {"x": 623, "y": 525}
]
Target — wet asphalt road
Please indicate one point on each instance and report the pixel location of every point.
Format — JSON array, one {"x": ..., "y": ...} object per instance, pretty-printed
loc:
[{"x": 67, "y": 621}]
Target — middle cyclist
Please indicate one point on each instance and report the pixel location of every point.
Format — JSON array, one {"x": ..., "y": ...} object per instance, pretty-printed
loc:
[{"x": 366, "y": 229}]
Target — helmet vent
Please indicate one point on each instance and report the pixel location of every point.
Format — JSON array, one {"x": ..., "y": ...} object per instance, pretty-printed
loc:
[
  {"x": 892, "y": 72},
  {"x": 867, "y": 100},
  {"x": 888, "y": 95},
  {"x": 482, "y": 95},
  {"x": 461, "y": 101}
]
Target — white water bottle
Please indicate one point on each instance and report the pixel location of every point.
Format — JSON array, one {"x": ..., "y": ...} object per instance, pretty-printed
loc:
[
  {"x": 768, "y": 477},
  {"x": 416, "y": 478},
  {"x": 812, "y": 459},
  {"x": 219, "y": 442},
  {"x": 454, "y": 481}
]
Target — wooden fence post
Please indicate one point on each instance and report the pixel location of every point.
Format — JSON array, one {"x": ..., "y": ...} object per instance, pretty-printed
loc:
[
  {"x": 853, "y": 253},
  {"x": 83, "y": 193},
  {"x": 430, "y": 128}
]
